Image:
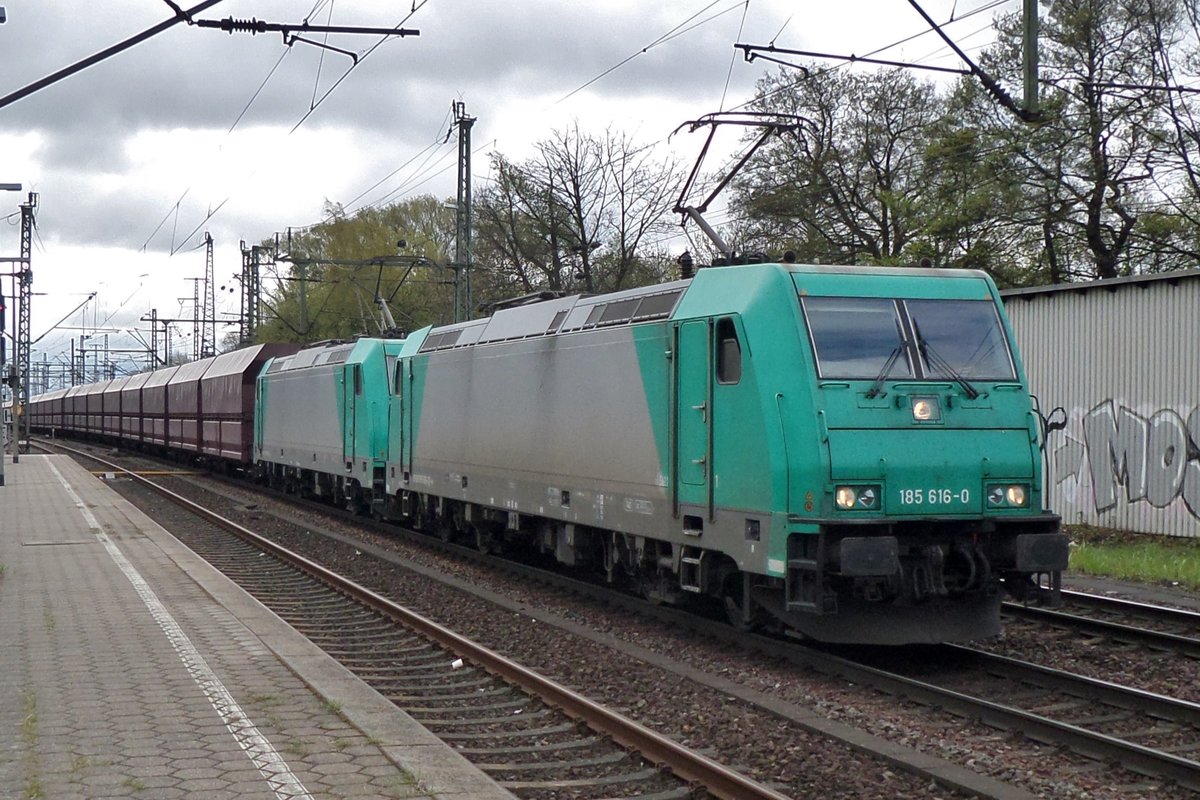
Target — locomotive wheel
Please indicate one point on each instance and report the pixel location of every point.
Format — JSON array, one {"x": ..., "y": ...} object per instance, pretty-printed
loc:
[
  {"x": 650, "y": 592},
  {"x": 485, "y": 541}
]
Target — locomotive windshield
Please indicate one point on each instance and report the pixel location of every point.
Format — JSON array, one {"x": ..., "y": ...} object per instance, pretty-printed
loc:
[
  {"x": 855, "y": 337},
  {"x": 960, "y": 336},
  {"x": 876, "y": 338}
]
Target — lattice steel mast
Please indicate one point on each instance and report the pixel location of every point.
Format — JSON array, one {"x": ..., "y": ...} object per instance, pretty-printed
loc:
[
  {"x": 463, "y": 249},
  {"x": 208, "y": 314},
  {"x": 24, "y": 337}
]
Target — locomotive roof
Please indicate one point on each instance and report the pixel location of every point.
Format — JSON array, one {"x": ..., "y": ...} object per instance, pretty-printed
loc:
[
  {"x": 584, "y": 312},
  {"x": 561, "y": 315},
  {"x": 329, "y": 353}
]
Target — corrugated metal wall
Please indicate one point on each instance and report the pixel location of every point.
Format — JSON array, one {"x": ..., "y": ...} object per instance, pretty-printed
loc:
[{"x": 1122, "y": 357}]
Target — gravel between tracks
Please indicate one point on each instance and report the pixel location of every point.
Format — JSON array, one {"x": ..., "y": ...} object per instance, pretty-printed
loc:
[{"x": 767, "y": 748}]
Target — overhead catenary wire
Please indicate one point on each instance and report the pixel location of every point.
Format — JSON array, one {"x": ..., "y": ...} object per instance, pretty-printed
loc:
[
  {"x": 321, "y": 58},
  {"x": 258, "y": 91},
  {"x": 733, "y": 57},
  {"x": 362, "y": 56},
  {"x": 678, "y": 30},
  {"x": 350, "y": 204},
  {"x": 987, "y": 6},
  {"x": 108, "y": 52},
  {"x": 991, "y": 84},
  {"x": 313, "y": 105}
]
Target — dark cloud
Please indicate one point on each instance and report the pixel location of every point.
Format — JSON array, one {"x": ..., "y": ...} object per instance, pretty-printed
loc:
[
  {"x": 204, "y": 78},
  {"x": 496, "y": 57}
]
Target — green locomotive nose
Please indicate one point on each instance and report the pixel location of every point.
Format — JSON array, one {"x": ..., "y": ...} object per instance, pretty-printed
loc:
[
  {"x": 926, "y": 451},
  {"x": 921, "y": 402},
  {"x": 918, "y": 473}
]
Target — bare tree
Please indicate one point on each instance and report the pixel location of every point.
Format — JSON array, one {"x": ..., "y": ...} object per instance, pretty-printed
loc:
[{"x": 580, "y": 215}]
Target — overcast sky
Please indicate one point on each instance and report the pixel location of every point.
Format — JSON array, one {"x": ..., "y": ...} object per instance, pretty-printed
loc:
[{"x": 134, "y": 157}]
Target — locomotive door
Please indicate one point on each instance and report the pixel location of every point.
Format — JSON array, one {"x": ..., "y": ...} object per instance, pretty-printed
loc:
[
  {"x": 693, "y": 412},
  {"x": 351, "y": 379},
  {"x": 259, "y": 416},
  {"x": 404, "y": 378}
]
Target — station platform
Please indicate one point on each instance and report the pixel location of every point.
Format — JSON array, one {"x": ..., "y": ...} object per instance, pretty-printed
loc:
[{"x": 129, "y": 667}]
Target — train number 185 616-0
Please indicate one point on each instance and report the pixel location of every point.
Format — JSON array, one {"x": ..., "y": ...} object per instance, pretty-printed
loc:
[{"x": 934, "y": 497}]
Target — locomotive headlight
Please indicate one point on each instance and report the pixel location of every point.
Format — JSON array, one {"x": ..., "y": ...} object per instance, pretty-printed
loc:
[
  {"x": 926, "y": 409},
  {"x": 862, "y": 498},
  {"x": 868, "y": 497},
  {"x": 846, "y": 496},
  {"x": 1012, "y": 495}
]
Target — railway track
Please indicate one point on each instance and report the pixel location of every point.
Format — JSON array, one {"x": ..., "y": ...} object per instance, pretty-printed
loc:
[
  {"x": 532, "y": 735},
  {"x": 1144, "y": 733},
  {"x": 1159, "y": 627},
  {"x": 1147, "y": 733}
]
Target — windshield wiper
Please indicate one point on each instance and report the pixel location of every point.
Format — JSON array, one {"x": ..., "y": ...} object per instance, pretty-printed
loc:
[
  {"x": 877, "y": 387},
  {"x": 933, "y": 359}
]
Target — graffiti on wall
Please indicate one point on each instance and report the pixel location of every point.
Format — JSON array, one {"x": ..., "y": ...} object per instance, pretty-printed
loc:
[{"x": 1134, "y": 458}]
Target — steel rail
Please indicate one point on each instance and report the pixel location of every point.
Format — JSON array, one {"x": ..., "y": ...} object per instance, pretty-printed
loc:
[
  {"x": 725, "y": 783},
  {"x": 1135, "y": 757},
  {"x": 688, "y": 765},
  {"x": 1127, "y": 697},
  {"x": 1122, "y": 606},
  {"x": 1187, "y": 645}
]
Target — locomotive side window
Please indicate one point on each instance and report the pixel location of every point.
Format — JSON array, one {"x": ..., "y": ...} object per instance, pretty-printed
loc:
[
  {"x": 358, "y": 385},
  {"x": 729, "y": 352},
  {"x": 856, "y": 337}
]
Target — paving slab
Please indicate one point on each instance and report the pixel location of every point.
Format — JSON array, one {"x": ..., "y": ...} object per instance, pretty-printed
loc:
[{"x": 129, "y": 667}]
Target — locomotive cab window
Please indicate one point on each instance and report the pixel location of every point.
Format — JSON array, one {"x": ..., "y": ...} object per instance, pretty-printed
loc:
[
  {"x": 729, "y": 352},
  {"x": 962, "y": 337},
  {"x": 358, "y": 384},
  {"x": 882, "y": 338},
  {"x": 856, "y": 337}
]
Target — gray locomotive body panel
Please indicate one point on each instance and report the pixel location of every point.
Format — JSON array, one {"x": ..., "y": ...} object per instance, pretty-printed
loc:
[
  {"x": 556, "y": 426},
  {"x": 301, "y": 419}
]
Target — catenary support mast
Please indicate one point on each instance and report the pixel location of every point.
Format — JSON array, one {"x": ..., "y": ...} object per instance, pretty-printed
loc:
[
  {"x": 24, "y": 337},
  {"x": 463, "y": 250},
  {"x": 208, "y": 313}
]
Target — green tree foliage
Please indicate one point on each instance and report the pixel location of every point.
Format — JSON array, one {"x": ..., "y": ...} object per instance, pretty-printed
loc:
[
  {"x": 886, "y": 168},
  {"x": 323, "y": 284},
  {"x": 1090, "y": 167},
  {"x": 891, "y": 169},
  {"x": 851, "y": 186},
  {"x": 979, "y": 213},
  {"x": 586, "y": 214}
]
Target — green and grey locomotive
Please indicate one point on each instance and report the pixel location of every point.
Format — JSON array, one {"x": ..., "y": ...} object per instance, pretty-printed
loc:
[{"x": 850, "y": 452}]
